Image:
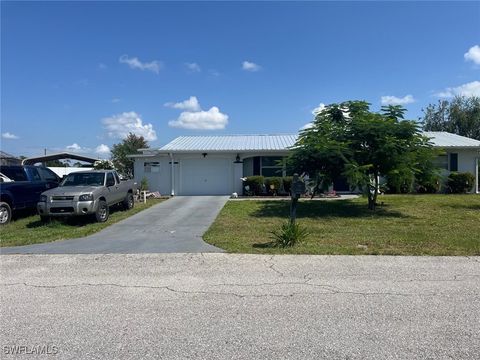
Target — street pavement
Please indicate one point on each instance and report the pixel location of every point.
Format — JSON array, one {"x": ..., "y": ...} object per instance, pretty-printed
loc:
[
  {"x": 175, "y": 225},
  {"x": 226, "y": 306}
]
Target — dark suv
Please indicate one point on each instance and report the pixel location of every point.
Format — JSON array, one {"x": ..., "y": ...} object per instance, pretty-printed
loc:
[{"x": 23, "y": 192}]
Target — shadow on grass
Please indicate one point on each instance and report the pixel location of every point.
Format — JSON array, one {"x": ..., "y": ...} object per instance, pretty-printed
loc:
[
  {"x": 464, "y": 206},
  {"x": 322, "y": 209},
  {"x": 75, "y": 221}
]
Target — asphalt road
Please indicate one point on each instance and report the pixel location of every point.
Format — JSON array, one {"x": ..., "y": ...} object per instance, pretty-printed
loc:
[
  {"x": 222, "y": 306},
  {"x": 175, "y": 225}
]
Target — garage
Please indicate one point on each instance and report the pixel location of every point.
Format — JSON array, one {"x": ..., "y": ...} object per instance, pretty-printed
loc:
[{"x": 206, "y": 176}]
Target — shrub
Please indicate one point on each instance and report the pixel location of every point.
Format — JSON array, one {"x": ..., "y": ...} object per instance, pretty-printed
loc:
[
  {"x": 255, "y": 183},
  {"x": 428, "y": 186},
  {"x": 460, "y": 183},
  {"x": 289, "y": 234},
  {"x": 287, "y": 183},
  {"x": 273, "y": 184},
  {"x": 144, "y": 184},
  {"x": 399, "y": 182}
]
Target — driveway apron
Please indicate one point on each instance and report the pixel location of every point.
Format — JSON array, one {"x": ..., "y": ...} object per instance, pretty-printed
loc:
[{"x": 175, "y": 225}]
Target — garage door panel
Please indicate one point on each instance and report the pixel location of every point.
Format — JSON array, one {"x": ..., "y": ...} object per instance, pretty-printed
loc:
[{"x": 206, "y": 176}]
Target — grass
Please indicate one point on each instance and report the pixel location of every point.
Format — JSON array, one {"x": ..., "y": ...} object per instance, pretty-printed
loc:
[
  {"x": 28, "y": 229},
  {"x": 404, "y": 225}
]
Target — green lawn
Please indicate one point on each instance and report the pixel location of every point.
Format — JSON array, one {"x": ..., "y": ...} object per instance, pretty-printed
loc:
[
  {"x": 403, "y": 225},
  {"x": 30, "y": 230}
]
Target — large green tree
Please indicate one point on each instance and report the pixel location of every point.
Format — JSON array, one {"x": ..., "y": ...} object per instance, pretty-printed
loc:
[
  {"x": 461, "y": 116},
  {"x": 128, "y": 146},
  {"x": 350, "y": 140}
]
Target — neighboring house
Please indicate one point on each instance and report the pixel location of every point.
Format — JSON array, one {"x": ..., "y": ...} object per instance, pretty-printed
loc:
[
  {"x": 214, "y": 165},
  {"x": 8, "y": 159}
]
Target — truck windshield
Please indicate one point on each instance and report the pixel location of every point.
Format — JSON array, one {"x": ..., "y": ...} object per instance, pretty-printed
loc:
[{"x": 84, "y": 179}]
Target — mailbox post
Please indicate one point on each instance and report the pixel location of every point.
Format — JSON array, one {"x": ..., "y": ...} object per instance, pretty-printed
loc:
[{"x": 297, "y": 189}]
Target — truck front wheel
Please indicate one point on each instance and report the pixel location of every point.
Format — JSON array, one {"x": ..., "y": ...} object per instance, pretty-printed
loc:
[
  {"x": 101, "y": 215},
  {"x": 5, "y": 213}
]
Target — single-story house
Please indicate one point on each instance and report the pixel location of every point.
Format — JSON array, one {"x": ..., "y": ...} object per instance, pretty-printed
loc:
[{"x": 214, "y": 165}]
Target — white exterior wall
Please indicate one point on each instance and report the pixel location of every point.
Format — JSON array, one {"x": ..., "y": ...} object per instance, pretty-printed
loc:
[{"x": 467, "y": 162}]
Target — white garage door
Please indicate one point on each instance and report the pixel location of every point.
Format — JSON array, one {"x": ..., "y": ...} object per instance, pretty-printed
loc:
[{"x": 206, "y": 176}]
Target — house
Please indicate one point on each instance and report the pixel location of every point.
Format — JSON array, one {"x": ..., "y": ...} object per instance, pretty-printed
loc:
[
  {"x": 214, "y": 165},
  {"x": 8, "y": 159}
]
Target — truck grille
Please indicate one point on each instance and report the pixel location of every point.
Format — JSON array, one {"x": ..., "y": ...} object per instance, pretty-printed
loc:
[
  {"x": 60, "y": 210},
  {"x": 59, "y": 198}
]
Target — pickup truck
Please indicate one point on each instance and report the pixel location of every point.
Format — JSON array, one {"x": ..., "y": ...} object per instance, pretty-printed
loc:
[
  {"x": 87, "y": 193},
  {"x": 21, "y": 187}
]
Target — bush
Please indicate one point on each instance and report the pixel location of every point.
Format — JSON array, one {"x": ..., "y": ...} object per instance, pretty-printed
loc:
[
  {"x": 255, "y": 183},
  {"x": 144, "y": 184},
  {"x": 287, "y": 183},
  {"x": 273, "y": 184},
  {"x": 289, "y": 234},
  {"x": 399, "y": 182},
  {"x": 428, "y": 186},
  {"x": 460, "y": 183}
]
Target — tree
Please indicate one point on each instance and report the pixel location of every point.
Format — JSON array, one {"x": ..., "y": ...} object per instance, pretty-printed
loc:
[
  {"x": 460, "y": 116},
  {"x": 128, "y": 146},
  {"x": 348, "y": 139}
]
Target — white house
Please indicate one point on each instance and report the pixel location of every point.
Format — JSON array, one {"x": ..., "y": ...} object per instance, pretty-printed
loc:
[{"x": 214, "y": 165}]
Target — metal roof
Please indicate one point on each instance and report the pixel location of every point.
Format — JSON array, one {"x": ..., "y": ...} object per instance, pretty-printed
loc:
[
  {"x": 64, "y": 155},
  {"x": 445, "y": 139},
  {"x": 231, "y": 143},
  {"x": 245, "y": 143}
]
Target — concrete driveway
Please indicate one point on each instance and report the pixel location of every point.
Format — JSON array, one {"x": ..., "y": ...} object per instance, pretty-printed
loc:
[
  {"x": 175, "y": 225},
  {"x": 228, "y": 306}
]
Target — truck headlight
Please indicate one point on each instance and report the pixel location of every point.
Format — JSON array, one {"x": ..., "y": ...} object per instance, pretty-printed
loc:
[
  {"x": 43, "y": 198},
  {"x": 85, "y": 197}
]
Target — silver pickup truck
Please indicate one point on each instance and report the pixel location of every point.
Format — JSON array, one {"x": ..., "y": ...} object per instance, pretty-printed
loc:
[{"x": 87, "y": 193}]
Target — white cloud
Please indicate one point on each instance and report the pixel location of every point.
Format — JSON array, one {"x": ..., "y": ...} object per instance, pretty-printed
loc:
[
  {"x": 250, "y": 66},
  {"x": 120, "y": 125},
  {"x": 115, "y": 100},
  {"x": 214, "y": 72},
  {"x": 9, "y": 136},
  {"x": 190, "y": 104},
  {"x": 75, "y": 148},
  {"x": 318, "y": 109},
  {"x": 135, "y": 63},
  {"x": 193, "y": 67},
  {"x": 393, "y": 100},
  {"x": 102, "y": 66},
  {"x": 102, "y": 149},
  {"x": 212, "y": 119},
  {"x": 468, "y": 89},
  {"x": 473, "y": 55}
]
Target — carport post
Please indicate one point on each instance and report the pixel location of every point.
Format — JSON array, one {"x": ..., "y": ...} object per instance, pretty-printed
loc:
[{"x": 172, "y": 174}]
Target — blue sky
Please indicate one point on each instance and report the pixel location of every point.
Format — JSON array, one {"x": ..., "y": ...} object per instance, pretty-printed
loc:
[{"x": 79, "y": 76}]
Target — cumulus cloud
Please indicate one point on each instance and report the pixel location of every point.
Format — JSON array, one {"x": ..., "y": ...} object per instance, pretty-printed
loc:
[
  {"x": 9, "y": 136},
  {"x": 193, "y": 67},
  {"x": 468, "y": 89},
  {"x": 194, "y": 118},
  {"x": 250, "y": 66},
  {"x": 212, "y": 119},
  {"x": 102, "y": 149},
  {"x": 120, "y": 125},
  {"x": 473, "y": 55},
  {"x": 190, "y": 104},
  {"x": 393, "y": 100},
  {"x": 135, "y": 63},
  {"x": 75, "y": 148}
]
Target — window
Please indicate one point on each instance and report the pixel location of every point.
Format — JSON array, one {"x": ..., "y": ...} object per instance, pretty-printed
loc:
[
  {"x": 117, "y": 179},
  {"x": 47, "y": 174},
  {"x": 442, "y": 161},
  {"x": 34, "y": 175},
  {"x": 153, "y": 167},
  {"x": 110, "y": 179},
  {"x": 14, "y": 173},
  {"x": 453, "y": 162},
  {"x": 272, "y": 166}
]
